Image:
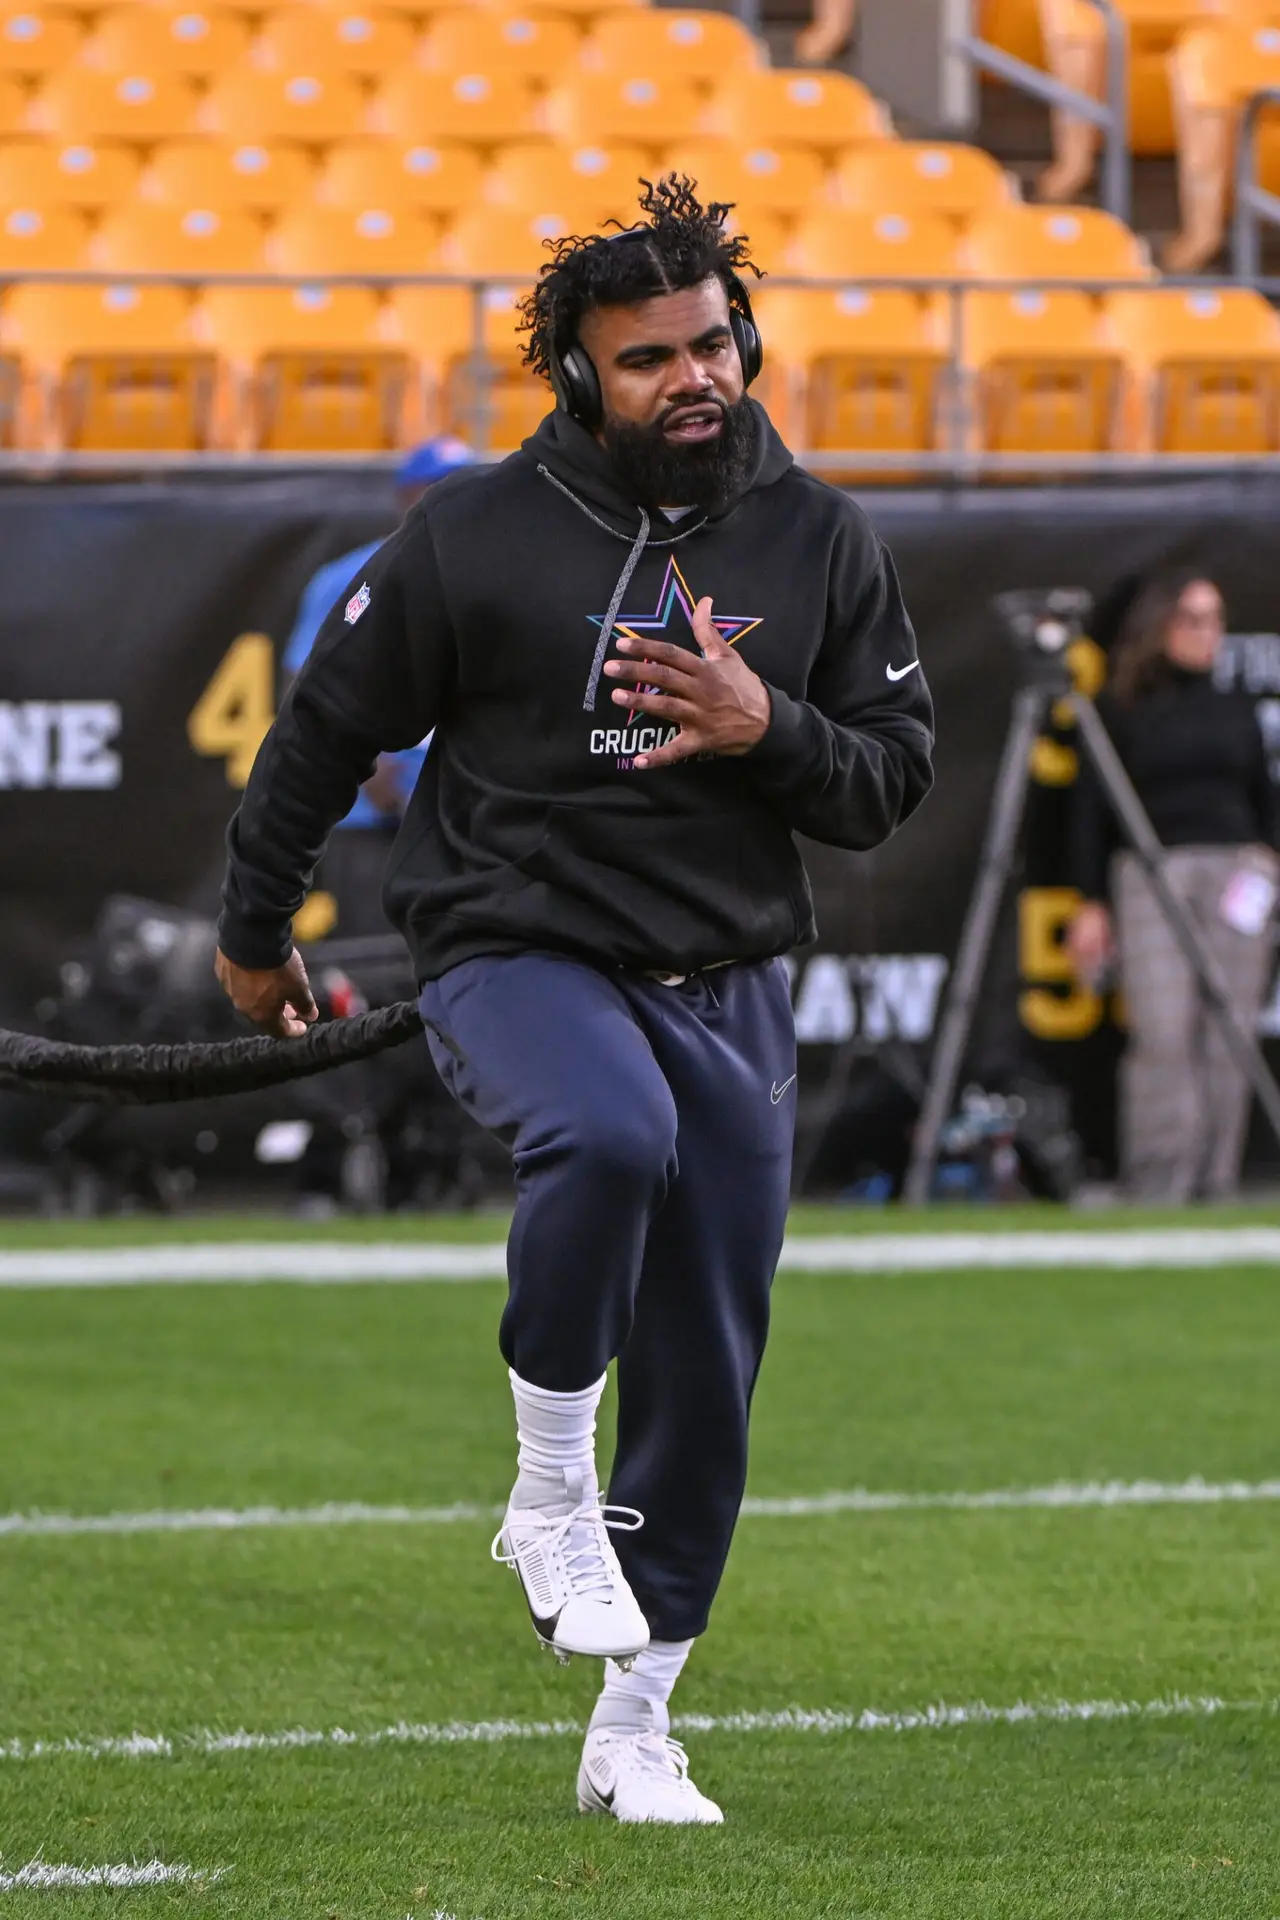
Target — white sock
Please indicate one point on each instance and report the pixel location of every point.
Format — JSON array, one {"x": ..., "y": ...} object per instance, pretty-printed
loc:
[
  {"x": 557, "y": 1435},
  {"x": 637, "y": 1701}
]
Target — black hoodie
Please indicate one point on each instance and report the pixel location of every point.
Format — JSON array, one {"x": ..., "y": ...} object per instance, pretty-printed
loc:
[{"x": 488, "y": 616}]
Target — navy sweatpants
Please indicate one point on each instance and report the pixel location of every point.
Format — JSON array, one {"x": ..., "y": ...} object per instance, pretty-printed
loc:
[{"x": 650, "y": 1128}]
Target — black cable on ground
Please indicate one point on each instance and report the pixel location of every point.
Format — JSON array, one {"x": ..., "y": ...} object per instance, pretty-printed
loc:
[{"x": 197, "y": 1070}]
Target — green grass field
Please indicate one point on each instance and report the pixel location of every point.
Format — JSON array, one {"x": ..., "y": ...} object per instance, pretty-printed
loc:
[{"x": 129, "y": 1400}]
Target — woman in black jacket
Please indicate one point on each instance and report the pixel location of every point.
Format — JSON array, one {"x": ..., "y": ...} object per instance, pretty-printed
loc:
[{"x": 1195, "y": 754}]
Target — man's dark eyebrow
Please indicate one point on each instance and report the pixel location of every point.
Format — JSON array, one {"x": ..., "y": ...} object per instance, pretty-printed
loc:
[{"x": 656, "y": 349}]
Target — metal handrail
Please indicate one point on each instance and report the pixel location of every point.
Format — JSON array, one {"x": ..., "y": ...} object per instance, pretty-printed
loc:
[
  {"x": 1111, "y": 116},
  {"x": 1253, "y": 203}
]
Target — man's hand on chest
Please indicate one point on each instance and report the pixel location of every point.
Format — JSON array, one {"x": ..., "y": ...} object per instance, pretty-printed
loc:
[{"x": 718, "y": 703}]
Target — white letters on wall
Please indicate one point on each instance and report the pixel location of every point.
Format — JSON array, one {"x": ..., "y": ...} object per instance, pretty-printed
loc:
[{"x": 59, "y": 743}]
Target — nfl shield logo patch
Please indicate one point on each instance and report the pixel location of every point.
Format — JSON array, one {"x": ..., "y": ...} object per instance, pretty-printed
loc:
[{"x": 357, "y": 604}]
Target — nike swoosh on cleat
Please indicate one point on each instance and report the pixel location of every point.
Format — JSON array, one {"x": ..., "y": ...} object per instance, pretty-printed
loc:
[
  {"x": 607, "y": 1796},
  {"x": 900, "y": 673}
]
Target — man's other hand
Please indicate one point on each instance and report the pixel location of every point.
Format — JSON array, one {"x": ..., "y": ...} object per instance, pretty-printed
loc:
[
  {"x": 277, "y": 999},
  {"x": 719, "y": 705}
]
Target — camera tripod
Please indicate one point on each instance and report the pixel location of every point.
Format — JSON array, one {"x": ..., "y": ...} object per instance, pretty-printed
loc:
[{"x": 1043, "y": 625}]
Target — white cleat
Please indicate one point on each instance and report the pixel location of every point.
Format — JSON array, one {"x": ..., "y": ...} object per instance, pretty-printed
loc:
[
  {"x": 577, "y": 1593},
  {"x": 641, "y": 1777}
]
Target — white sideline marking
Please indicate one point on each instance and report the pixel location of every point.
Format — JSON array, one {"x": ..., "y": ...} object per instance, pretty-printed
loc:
[
  {"x": 325, "y": 1263},
  {"x": 153, "y": 1873},
  {"x": 342, "y": 1513},
  {"x": 204, "y": 1741}
]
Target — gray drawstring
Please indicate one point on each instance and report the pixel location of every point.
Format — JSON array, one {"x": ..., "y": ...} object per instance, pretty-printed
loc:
[
  {"x": 624, "y": 578},
  {"x": 606, "y": 625}
]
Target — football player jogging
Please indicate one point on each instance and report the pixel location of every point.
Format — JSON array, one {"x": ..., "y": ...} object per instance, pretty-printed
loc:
[{"x": 653, "y": 651}]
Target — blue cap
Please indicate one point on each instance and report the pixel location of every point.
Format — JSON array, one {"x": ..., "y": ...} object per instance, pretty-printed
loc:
[{"x": 432, "y": 460}]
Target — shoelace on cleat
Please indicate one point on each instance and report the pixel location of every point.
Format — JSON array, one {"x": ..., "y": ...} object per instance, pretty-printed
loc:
[
  {"x": 585, "y": 1564},
  {"x": 655, "y": 1753}
]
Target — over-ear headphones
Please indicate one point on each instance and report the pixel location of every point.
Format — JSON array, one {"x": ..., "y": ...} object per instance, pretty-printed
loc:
[{"x": 576, "y": 384}]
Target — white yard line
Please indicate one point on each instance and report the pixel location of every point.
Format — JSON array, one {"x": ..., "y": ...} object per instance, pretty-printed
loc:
[
  {"x": 42, "y": 1874},
  {"x": 338, "y": 1513},
  {"x": 206, "y": 1742},
  {"x": 325, "y": 1263},
  {"x": 1088, "y": 1493},
  {"x": 343, "y": 1513}
]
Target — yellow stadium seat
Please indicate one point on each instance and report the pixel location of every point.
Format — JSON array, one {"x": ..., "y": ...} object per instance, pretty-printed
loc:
[
  {"x": 1048, "y": 243},
  {"x": 533, "y": 174},
  {"x": 787, "y": 180},
  {"x": 495, "y": 403},
  {"x": 245, "y": 322},
  {"x": 437, "y": 324},
  {"x": 81, "y": 104},
  {"x": 314, "y": 108},
  {"x": 385, "y": 173},
  {"x": 35, "y": 237},
  {"x": 310, "y": 370},
  {"x": 482, "y": 107},
  {"x": 47, "y": 323},
  {"x": 766, "y": 234},
  {"x": 650, "y": 111},
  {"x": 886, "y": 246},
  {"x": 856, "y": 368},
  {"x": 190, "y": 240},
  {"x": 1207, "y": 366},
  {"x": 50, "y": 174},
  {"x": 414, "y": 11},
  {"x": 477, "y": 39},
  {"x": 110, "y": 368},
  {"x": 1213, "y": 70},
  {"x": 213, "y": 173},
  {"x": 935, "y": 177},
  {"x": 35, "y": 39},
  {"x": 582, "y": 12},
  {"x": 1014, "y": 26},
  {"x": 156, "y": 39},
  {"x": 335, "y": 39},
  {"x": 1047, "y": 377},
  {"x": 700, "y": 46},
  {"x": 499, "y": 240},
  {"x": 372, "y": 240},
  {"x": 795, "y": 107},
  {"x": 14, "y": 115}
]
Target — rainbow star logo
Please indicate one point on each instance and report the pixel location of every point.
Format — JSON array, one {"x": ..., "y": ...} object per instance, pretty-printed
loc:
[{"x": 675, "y": 594}]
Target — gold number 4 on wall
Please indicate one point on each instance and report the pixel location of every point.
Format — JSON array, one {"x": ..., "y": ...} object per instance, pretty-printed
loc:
[{"x": 235, "y": 710}]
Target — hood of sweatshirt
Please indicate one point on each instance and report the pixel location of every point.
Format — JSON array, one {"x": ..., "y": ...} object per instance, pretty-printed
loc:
[{"x": 576, "y": 459}]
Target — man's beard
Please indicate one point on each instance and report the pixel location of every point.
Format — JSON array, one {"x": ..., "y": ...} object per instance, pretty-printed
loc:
[{"x": 707, "y": 475}]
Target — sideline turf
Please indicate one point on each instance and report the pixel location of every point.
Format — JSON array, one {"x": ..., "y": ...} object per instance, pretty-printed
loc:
[
  {"x": 147, "y": 1397},
  {"x": 490, "y": 1223}
]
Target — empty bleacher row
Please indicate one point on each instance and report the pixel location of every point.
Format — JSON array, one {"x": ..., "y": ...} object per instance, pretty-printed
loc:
[
  {"x": 320, "y": 366},
  {"x": 317, "y": 141}
]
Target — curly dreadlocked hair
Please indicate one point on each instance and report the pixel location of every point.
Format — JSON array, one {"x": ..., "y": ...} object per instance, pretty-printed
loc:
[{"x": 684, "y": 244}]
